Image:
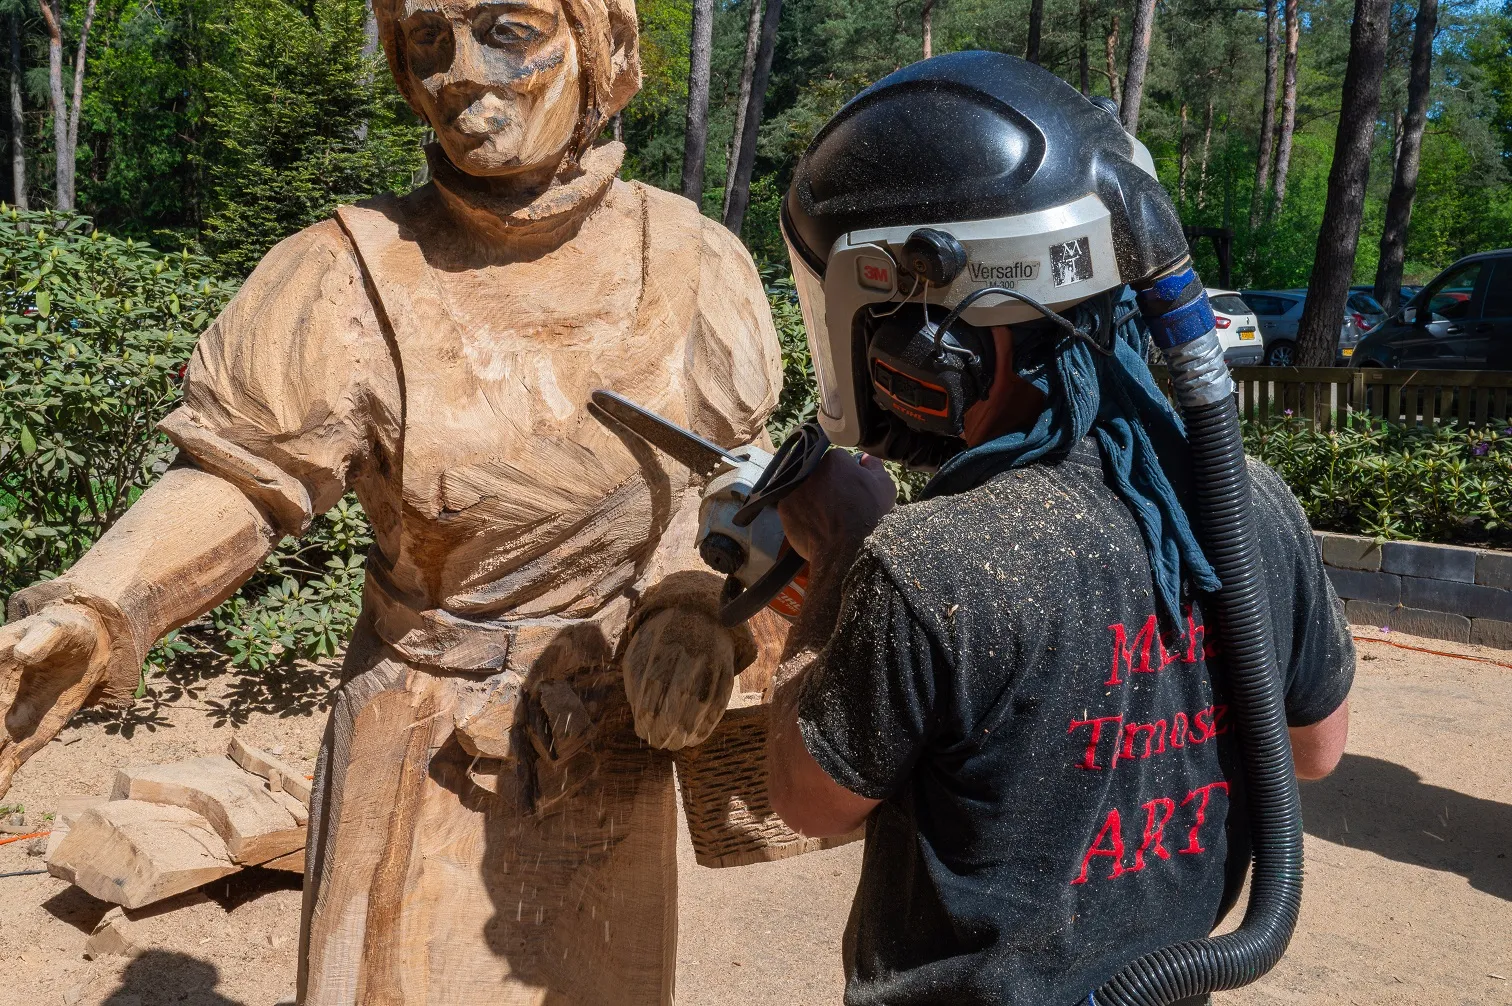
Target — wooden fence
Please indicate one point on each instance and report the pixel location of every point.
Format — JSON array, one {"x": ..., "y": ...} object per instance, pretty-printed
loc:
[{"x": 1321, "y": 396}]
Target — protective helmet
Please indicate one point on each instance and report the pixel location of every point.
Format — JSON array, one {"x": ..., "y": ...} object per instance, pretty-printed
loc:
[{"x": 964, "y": 172}]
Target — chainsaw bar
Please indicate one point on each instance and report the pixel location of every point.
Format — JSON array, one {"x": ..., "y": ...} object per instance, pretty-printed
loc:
[{"x": 684, "y": 446}]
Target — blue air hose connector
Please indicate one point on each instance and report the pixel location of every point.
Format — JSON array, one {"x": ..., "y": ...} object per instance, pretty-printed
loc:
[{"x": 1176, "y": 308}]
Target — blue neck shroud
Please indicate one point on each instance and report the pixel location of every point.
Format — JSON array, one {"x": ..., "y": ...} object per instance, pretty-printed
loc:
[{"x": 1115, "y": 399}]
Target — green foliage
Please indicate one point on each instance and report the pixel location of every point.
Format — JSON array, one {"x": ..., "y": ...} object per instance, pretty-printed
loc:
[
  {"x": 303, "y": 602},
  {"x": 798, "y": 402},
  {"x": 94, "y": 335},
  {"x": 94, "y": 338},
  {"x": 301, "y": 120},
  {"x": 142, "y": 155},
  {"x": 1443, "y": 484}
]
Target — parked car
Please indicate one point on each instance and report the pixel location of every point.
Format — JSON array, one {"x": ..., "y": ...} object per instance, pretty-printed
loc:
[
  {"x": 1364, "y": 310},
  {"x": 1238, "y": 329},
  {"x": 1405, "y": 292},
  {"x": 1279, "y": 312},
  {"x": 1460, "y": 321}
]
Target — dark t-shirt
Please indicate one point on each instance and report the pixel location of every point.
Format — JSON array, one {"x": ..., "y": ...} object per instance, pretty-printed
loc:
[{"x": 1058, "y": 775}]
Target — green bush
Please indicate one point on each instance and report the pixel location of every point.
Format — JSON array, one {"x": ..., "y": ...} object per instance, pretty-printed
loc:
[
  {"x": 94, "y": 334},
  {"x": 1445, "y": 484},
  {"x": 94, "y": 338}
]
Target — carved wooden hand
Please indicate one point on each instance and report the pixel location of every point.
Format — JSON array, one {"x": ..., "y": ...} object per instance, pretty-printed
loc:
[
  {"x": 50, "y": 663},
  {"x": 679, "y": 671}
]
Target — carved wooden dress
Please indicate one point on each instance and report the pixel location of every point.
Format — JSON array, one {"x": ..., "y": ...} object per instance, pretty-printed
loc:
[{"x": 435, "y": 354}]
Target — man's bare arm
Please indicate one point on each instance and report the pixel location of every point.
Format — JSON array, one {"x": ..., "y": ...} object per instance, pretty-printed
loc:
[
  {"x": 826, "y": 519},
  {"x": 1316, "y": 749}
]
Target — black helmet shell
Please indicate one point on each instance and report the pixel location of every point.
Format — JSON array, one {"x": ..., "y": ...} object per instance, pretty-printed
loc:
[{"x": 975, "y": 136}]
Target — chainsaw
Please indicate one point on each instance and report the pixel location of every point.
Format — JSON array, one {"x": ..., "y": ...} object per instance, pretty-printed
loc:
[{"x": 739, "y": 532}]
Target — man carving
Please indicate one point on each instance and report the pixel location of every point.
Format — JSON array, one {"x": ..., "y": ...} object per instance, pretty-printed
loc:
[{"x": 486, "y": 825}]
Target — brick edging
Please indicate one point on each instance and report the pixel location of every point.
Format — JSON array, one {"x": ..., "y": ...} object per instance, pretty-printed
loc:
[{"x": 1440, "y": 591}]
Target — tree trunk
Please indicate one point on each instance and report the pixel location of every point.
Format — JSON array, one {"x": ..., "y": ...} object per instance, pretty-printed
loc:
[
  {"x": 1339, "y": 235},
  {"x": 1267, "y": 117},
  {"x": 1112, "y": 54},
  {"x": 62, "y": 156},
  {"x": 747, "y": 71},
  {"x": 740, "y": 192},
  {"x": 1083, "y": 60},
  {"x": 78, "y": 93},
  {"x": 1288, "y": 105},
  {"x": 17, "y": 119},
  {"x": 1181, "y": 159},
  {"x": 1202, "y": 165},
  {"x": 1388, "y": 282},
  {"x": 696, "y": 135},
  {"x": 1036, "y": 23},
  {"x": 370, "y": 38},
  {"x": 1139, "y": 60},
  {"x": 617, "y": 127},
  {"x": 928, "y": 28}
]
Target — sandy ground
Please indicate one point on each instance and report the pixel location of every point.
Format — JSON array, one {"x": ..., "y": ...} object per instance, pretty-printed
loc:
[{"x": 1409, "y": 897}]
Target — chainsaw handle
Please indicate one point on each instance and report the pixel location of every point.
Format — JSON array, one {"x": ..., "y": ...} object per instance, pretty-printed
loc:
[
  {"x": 794, "y": 461},
  {"x": 742, "y": 604}
]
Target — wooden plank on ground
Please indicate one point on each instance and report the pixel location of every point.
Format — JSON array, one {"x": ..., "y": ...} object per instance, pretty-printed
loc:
[
  {"x": 255, "y": 823},
  {"x": 260, "y": 763},
  {"x": 133, "y": 853},
  {"x": 66, "y": 811}
]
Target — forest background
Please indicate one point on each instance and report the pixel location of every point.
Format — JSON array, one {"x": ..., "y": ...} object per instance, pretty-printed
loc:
[{"x": 223, "y": 126}]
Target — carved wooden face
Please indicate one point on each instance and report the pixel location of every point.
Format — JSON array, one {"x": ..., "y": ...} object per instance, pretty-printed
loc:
[{"x": 498, "y": 80}]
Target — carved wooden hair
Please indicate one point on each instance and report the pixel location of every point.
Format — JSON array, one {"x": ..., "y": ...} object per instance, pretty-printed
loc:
[{"x": 608, "y": 38}]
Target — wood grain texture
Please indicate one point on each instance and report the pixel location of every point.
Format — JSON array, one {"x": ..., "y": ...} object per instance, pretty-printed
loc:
[
  {"x": 255, "y": 823},
  {"x": 281, "y": 776},
  {"x": 133, "y": 853}
]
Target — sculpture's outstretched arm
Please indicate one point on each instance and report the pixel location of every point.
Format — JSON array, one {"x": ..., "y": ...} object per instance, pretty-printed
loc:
[{"x": 180, "y": 550}]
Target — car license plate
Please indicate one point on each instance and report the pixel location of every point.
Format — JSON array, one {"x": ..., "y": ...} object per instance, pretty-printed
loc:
[
  {"x": 1246, "y": 334},
  {"x": 1348, "y": 352}
]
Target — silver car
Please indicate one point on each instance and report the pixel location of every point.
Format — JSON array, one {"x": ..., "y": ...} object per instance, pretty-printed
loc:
[{"x": 1279, "y": 312}]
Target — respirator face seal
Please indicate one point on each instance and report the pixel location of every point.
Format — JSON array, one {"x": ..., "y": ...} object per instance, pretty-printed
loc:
[{"x": 927, "y": 377}]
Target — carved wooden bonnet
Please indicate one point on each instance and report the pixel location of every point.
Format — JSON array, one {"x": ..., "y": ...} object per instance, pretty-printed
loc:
[{"x": 608, "y": 38}]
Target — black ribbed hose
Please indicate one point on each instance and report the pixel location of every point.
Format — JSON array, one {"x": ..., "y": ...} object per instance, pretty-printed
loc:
[{"x": 1242, "y": 608}]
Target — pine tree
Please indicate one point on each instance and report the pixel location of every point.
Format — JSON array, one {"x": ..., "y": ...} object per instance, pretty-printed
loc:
[{"x": 302, "y": 120}]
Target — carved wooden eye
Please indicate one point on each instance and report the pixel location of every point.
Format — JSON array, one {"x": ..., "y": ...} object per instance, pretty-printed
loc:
[
  {"x": 428, "y": 33},
  {"x": 503, "y": 31}
]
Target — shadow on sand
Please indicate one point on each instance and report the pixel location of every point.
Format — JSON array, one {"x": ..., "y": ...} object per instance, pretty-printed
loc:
[
  {"x": 1387, "y": 809},
  {"x": 160, "y": 976}
]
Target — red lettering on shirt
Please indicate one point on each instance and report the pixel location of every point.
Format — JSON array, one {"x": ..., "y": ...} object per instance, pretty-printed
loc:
[
  {"x": 1202, "y": 721},
  {"x": 1089, "y": 760},
  {"x": 1112, "y": 830},
  {"x": 1154, "y": 831},
  {"x": 1195, "y": 633},
  {"x": 1219, "y": 727},
  {"x": 1193, "y": 846},
  {"x": 1179, "y": 727},
  {"x": 1122, "y": 652},
  {"x": 1152, "y": 732},
  {"x": 1149, "y": 653}
]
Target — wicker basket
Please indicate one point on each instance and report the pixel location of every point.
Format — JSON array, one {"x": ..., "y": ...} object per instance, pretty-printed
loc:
[{"x": 723, "y": 783}]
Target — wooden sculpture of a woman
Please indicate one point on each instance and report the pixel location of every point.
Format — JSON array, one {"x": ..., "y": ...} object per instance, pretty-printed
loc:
[{"x": 489, "y": 823}]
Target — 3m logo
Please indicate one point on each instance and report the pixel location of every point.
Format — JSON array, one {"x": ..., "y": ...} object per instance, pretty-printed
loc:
[{"x": 874, "y": 273}]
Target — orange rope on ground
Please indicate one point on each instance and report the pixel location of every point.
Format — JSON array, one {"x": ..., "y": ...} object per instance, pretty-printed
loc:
[
  {"x": 22, "y": 838},
  {"x": 1436, "y": 653}
]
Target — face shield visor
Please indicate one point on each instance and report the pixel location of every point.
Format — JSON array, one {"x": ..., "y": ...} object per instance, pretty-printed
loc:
[{"x": 811, "y": 302}]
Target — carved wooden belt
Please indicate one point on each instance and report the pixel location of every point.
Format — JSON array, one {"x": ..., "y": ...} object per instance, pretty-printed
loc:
[{"x": 440, "y": 638}]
